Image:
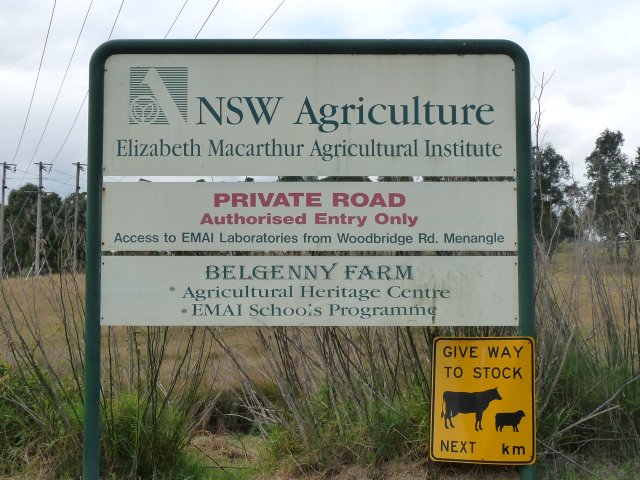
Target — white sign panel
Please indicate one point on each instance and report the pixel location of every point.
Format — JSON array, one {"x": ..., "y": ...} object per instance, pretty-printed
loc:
[
  {"x": 303, "y": 216},
  {"x": 309, "y": 114},
  {"x": 309, "y": 290}
]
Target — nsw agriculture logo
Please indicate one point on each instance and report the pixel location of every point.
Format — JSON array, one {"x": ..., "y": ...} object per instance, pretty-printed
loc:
[{"x": 158, "y": 95}]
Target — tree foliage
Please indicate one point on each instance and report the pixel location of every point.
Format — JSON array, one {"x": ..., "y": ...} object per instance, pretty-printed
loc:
[
  {"x": 57, "y": 230},
  {"x": 554, "y": 219},
  {"x": 610, "y": 176}
]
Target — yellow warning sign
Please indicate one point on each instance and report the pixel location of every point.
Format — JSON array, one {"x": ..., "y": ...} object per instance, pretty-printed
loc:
[{"x": 483, "y": 400}]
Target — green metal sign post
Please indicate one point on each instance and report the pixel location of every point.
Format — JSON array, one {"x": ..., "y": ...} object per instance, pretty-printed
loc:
[
  {"x": 526, "y": 289},
  {"x": 92, "y": 334},
  {"x": 168, "y": 54}
]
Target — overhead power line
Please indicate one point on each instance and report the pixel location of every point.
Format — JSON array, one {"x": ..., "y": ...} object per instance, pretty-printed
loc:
[
  {"x": 176, "y": 19},
  {"x": 113, "y": 27},
  {"x": 66, "y": 138},
  {"x": 68, "y": 134},
  {"x": 64, "y": 78},
  {"x": 35, "y": 86},
  {"x": 208, "y": 17},
  {"x": 268, "y": 19}
]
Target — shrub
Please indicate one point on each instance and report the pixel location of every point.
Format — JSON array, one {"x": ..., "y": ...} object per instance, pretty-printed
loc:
[
  {"x": 33, "y": 434},
  {"x": 143, "y": 442}
]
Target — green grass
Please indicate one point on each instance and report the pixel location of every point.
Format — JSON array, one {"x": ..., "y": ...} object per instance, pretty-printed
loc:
[{"x": 353, "y": 437}]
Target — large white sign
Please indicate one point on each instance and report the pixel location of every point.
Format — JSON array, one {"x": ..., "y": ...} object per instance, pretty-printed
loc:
[
  {"x": 309, "y": 114},
  {"x": 309, "y": 290},
  {"x": 441, "y": 110},
  {"x": 347, "y": 216}
]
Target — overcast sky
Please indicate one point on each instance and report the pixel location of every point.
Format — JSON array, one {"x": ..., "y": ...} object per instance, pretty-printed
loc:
[{"x": 590, "y": 51}]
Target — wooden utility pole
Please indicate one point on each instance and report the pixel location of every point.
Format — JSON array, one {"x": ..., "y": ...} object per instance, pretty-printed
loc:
[
  {"x": 5, "y": 166},
  {"x": 79, "y": 168},
  {"x": 41, "y": 167}
]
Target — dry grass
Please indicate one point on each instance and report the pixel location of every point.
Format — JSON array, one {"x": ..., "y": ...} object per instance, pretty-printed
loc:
[
  {"x": 47, "y": 299},
  {"x": 582, "y": 277},
  {"x": 42, "y": 305}
]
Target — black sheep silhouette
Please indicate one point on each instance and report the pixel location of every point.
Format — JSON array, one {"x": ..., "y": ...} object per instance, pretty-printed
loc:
[
  {"x": 508, "y": 419},
  {"x": 467, "y": 402}
]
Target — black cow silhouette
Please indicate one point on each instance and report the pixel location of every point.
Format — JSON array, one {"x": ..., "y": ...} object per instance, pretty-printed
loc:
[
  {"x": 508, "y": 419},
  {"x": 467, "y": 402}
]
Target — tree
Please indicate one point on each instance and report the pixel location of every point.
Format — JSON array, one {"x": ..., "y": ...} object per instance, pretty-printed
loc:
[
  {"x": 395, "y": 179},
  {"x": 608, "y": 172},
  {"x": 291, "y": 179},
  {"x": 554, "y": 220},
  {"x": 65, "y": 233},
  {"x": 634, "y": 171},
  {"x": 345, "y": 179},
  {"x": 20, "y": 229},
  {"x": 551, "y": 177},
  {"x": 631, "y": 198}
]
